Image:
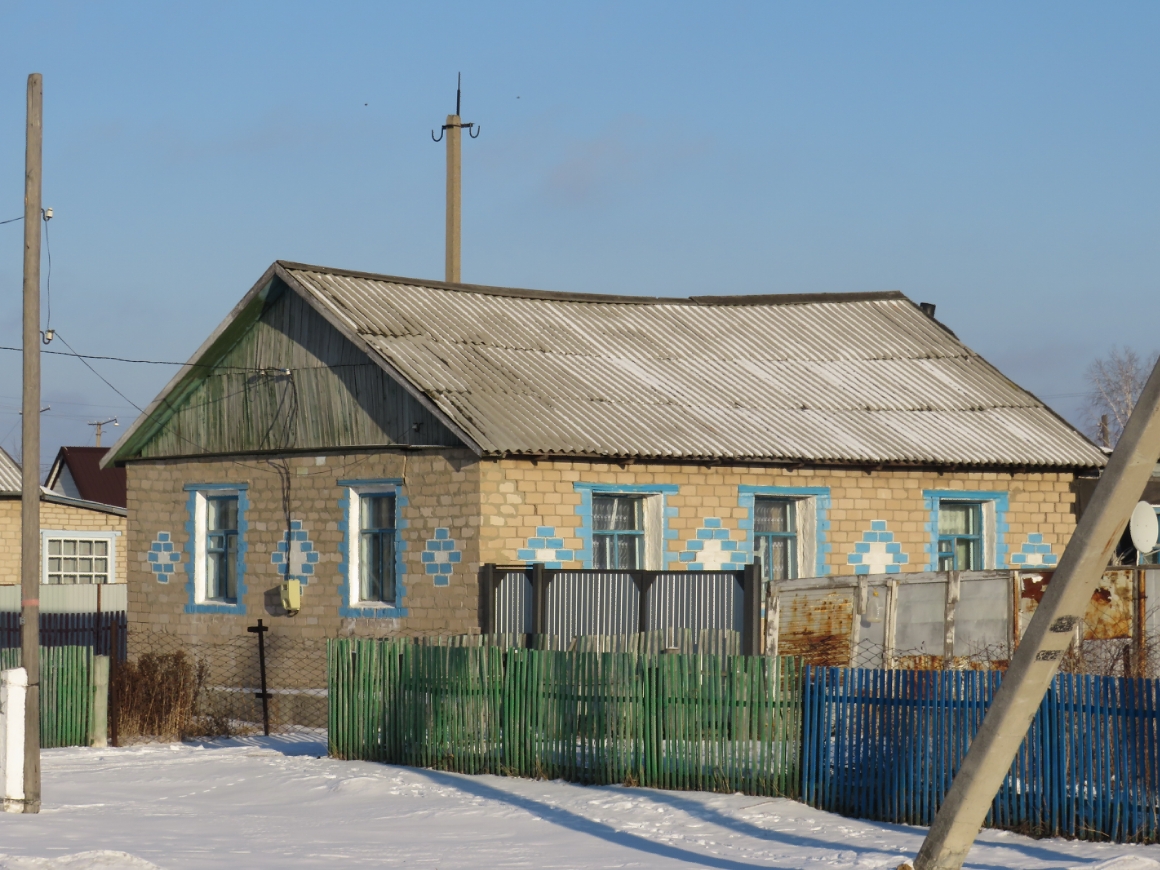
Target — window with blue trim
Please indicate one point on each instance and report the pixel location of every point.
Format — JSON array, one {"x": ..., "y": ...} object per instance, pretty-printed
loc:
[
  {"x": 221, "y": 548},
  {"x": 617, "y": 531},
  {"x": 960, "y": 536},
  {"x": 377, "y": 581},
  {"x": 775, "y": 537}
]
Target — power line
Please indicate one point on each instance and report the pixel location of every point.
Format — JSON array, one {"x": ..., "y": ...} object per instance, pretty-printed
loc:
[
  {"x": 14, "y": 220},
  {"x": 158, "y": 362}
]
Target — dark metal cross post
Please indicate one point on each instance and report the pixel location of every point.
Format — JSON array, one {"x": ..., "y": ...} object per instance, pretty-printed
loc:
[{"x": 260, "y": 630}]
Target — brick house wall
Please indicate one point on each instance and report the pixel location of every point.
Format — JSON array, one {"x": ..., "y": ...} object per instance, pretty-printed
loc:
[
  {"x": 56, "y": 516},
  {"x": 458, "y": 512}
]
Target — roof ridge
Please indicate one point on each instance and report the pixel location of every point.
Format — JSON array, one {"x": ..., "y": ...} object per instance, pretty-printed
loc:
[{"x": 609, "y": 298}]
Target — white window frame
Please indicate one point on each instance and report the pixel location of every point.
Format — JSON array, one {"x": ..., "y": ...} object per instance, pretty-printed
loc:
[
  {"x": 199, "y": 543},
  {"x": 72, "y": 534},
  {"x": 354, "y": 541}
]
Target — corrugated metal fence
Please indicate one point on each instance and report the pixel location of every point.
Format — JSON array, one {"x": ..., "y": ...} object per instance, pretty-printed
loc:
[
  {"x": 718, "y": 723},
  {"x": 559, "y": 606}
]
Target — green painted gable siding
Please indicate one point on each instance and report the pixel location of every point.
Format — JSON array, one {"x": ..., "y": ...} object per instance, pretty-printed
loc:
[{"x": 333, "y": 397}]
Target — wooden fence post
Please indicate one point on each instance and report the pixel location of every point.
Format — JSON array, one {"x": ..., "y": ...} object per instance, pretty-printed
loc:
[
  {"x": 951, "y": 605},
  {"x": 487, "y": 593},
  {"x": 539, "y": 600},
  {"x": 751, "y": 609}
]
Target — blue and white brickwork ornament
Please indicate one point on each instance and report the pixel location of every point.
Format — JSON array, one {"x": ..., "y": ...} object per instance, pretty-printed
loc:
[
  {"x": 713, "y": 549},
  {"x": 295, "y": 559},
  {"x": 547, "y": 548},
  {"x": 1035, "y": 554},
  {"x": 163, "y": 556},
  {"x": 440, "y": 556},
  {"x": 878, "y": 553}
]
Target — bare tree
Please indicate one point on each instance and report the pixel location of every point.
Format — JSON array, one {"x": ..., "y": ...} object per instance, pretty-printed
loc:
[{"x": 1114, "y": 385}]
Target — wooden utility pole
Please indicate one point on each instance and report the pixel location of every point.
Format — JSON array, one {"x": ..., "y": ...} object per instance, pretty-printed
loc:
[
  {"x": 453, "y": 130},
  {"x": 30, "y": 450},
  {"x": 1047, "y": 638},
  {"x": 100, "y": 424}
]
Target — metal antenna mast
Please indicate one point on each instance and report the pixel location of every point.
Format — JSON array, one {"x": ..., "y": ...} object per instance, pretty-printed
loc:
[{"x": 452, "y": 128}]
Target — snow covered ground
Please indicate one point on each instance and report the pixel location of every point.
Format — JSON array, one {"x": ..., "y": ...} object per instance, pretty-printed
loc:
[{"x": 272, "y": 803}]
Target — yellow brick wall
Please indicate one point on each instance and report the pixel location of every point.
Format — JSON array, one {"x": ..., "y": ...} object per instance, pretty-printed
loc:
[
  {"x": 442, "y": 492},
  {"x": 522, "y": 497},
  {"x": 55, "y": 516}
]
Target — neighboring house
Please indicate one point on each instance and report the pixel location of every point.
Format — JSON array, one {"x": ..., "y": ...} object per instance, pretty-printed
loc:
[
  {"x": 82, "y": 542},
  {"x": 76, "y": 472},
  {"x": 379, "y": 439}
]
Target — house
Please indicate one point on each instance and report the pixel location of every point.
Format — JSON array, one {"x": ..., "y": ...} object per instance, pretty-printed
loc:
[
  {"x": 380, "y": 439},
  {"x": 76, "y": 473},
  {"x": 82, "y": 545}
]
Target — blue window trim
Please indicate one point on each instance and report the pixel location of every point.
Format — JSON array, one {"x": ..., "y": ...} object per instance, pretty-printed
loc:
[
  {"x": 931, "y": 499},
  {"x": 979, "y": 538},
  {"x": 195, "y": 606},
  {"x": 791, "y": 537},
  {"x": 584, "y": 511},
  {"x": 353, "y": 489},
  {"x": 821, "y": 494}
]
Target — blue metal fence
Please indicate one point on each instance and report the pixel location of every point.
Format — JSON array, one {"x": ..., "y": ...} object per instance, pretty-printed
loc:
[{"x": 885, "y": 745}]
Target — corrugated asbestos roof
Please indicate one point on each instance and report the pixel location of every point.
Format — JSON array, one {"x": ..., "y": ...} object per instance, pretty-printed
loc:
[
  {"x": 857, "y": 378},
  {"x": 9, "y": 473}
]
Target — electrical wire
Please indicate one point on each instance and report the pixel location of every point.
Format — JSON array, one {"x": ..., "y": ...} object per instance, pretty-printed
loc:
[
  {"x": 95, "y": 372},
  {"x": 14, "y": 220},
  {"x": 159, "y": 362},
  {"x": 48, "y": 280}
]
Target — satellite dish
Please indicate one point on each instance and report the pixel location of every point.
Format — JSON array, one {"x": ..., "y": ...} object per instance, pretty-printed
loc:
[{"x": 1144, "y": 527}]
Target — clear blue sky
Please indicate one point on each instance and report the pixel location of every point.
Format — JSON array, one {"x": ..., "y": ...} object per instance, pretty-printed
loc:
[{"x": 1000, "y": 160}]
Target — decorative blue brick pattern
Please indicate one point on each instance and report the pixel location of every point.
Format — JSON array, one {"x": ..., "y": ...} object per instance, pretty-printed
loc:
[
  {"x": 584, "y": 511},
  {"x": 163, "y": 555},
  {"x": 1035, "y": 554},
  {"x": 546, "y": 547},
  {"x": 821, "y": 499},
  {"x": 385, "y": 611},
  {"x": 999, "y": 500},
  {"x": 295, "y": 559},
  {"x": 878, "y": 553},
  {"x": 713, "y": 549},
  {"x": 440, "y": 556},
  {"x": 194, "y": 606}
]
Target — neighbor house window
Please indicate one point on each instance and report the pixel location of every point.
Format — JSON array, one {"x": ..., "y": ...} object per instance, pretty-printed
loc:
[
  {"x": 618, "y": 538},
  {"x": 71, "y": 559},
  {"x": 376, "y": 548},
  {"x": 960, "y": 536},
  {"x": 221, "y": 548},
  {"x": 775, "y": 537}
]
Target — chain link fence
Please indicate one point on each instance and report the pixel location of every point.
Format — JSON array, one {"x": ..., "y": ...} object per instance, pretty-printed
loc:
[{"x": 168, "y": 687}]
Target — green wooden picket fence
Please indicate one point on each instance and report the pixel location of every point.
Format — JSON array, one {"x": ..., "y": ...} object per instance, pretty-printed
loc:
[
  {"x": 66, "y": 693},
  {"x": 705, "y": 722}
]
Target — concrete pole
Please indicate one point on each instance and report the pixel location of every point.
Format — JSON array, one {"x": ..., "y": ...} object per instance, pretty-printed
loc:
[
  {"x": 454, "y": 131},
  {"x": 30, "y": 451},
  {"x": 1047, "y": 638}
]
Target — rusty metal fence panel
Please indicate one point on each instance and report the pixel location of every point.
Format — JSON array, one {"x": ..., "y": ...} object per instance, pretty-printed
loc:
[{"x": 697, "y": 601}]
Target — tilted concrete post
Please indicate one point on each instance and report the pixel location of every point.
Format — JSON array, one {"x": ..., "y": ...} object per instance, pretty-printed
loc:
[
  {"x": 13, "y": 691},
  {"x": 1047, "y": 638}
]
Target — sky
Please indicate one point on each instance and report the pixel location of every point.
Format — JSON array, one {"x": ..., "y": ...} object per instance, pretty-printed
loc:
[{"x": 995, "y": 159}]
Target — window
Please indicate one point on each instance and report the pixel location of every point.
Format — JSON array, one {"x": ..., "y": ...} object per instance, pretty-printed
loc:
[
  {"x": 960, "y": 536},
  {"x": 775, "y": 537},
  {"x": 376, "y": 548},
  {"x": 221, "y": 548},
  {"x": 70, "y": 559},
  {"x": 617, "y": 531}
]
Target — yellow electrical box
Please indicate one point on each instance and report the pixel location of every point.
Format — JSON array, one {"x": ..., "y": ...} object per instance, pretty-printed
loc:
[{"x": 291, "y": 596}]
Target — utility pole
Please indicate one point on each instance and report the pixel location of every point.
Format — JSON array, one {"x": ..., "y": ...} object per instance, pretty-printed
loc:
[
  {"x": 101, "y": 423},
  {"x": 30, "y": 449},
  {"x": 454, "y": 200},
  {"x": 1047, "y": 638}
]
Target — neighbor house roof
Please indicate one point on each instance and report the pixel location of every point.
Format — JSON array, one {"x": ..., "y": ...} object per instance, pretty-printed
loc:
[
  {"x": 9, "y": 473},
  {"x": 77, "y": 472},
  {"x": 861, "y": 378},
  {"x": 10, "y": 487}
]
